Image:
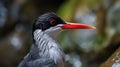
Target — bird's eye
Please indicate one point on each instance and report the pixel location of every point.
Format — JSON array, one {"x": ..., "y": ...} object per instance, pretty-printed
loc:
[{"x": 52, "y": 22}]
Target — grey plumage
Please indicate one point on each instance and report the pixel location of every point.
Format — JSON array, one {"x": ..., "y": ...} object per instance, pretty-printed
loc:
[{"x": 44, "y": 52}]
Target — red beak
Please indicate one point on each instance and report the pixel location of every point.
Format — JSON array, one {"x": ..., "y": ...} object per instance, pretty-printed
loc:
[{"x": 76, "y": 26}]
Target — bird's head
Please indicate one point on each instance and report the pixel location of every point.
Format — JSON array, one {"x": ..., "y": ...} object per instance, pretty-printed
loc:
[{"x": 51, "y": 24}]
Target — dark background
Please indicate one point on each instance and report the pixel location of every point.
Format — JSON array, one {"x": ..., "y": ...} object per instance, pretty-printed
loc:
[{"x": 83, "y": 48}]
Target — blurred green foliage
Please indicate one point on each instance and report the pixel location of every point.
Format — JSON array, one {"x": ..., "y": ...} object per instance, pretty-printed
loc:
[{"x": 89, "y": 48}]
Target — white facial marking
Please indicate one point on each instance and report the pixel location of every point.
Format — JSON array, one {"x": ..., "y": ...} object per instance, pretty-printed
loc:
[{"x": 53, "y": 31}]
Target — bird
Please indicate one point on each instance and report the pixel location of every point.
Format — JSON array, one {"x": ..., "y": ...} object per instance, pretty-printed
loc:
[{"x": 45, "y": 51}]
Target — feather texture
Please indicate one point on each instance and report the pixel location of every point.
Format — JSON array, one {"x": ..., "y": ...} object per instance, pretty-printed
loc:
[{"x": 45, "y": 52}]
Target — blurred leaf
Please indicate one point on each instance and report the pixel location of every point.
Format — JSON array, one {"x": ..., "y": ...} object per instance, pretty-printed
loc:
[
  {"x": 66, "y": 10},
  {"x": 93, "y": 3}
]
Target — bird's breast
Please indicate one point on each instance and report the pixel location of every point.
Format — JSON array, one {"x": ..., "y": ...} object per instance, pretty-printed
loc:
[
  {"x": 56, "y": 54},
  {"x": 48, "y": 47}
]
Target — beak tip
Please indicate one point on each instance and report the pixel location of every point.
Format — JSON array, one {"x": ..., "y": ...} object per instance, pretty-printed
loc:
[{"x": 93, "y": 27}]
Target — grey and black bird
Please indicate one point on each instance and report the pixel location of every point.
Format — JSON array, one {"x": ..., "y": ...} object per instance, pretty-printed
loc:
[{"x": 45, "y": 51}]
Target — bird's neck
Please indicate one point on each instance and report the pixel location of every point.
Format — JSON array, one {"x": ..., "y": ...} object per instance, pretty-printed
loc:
[
  {"x": 43, "y": 40},
  {"x": 40, "y": 36},
  {"x": 47, "y": 46}
]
